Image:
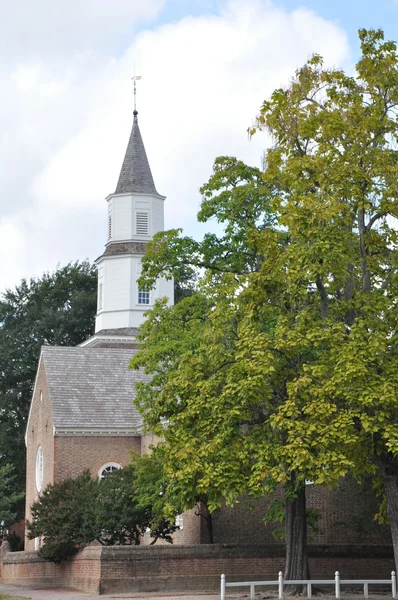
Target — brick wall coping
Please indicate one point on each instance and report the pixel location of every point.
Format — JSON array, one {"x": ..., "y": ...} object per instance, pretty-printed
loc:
[
  {"x": 234, "y": 550},
  {"x": 89, "y": 553}
]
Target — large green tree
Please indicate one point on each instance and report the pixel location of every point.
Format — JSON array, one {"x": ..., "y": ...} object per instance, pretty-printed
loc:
[
  {"x": 289, "y": 372},
  {"x": 57, "y": 308},
  {"x": 208, "y": 397},
  {"x": 336, "y": 159}
]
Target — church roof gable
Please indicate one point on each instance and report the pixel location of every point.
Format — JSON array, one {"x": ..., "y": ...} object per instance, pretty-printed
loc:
[
  {"x": 92, "y": 388},
  {"x": 135, "y": 175}
]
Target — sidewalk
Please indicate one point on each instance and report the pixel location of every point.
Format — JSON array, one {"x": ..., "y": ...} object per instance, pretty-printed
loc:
[{"x": 75, "y": 595}]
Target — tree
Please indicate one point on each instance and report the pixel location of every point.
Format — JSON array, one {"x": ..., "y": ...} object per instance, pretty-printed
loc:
[
  {"x": 152, "y": 487},
  {"x": 336, "y": 160},
  {"x": 76, "y": 511},
  {"x": 58, "y": 308},
  {"x": 65, "y": 517},
  {"x": 120, "y": 520},
  {"x": 207, "y": 397},
  {"x": 8, "y": 497},
  {"x": 298, "y": 346}
]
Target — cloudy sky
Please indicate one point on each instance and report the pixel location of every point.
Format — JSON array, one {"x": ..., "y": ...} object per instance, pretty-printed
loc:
[{"x": 66, "y": 106}]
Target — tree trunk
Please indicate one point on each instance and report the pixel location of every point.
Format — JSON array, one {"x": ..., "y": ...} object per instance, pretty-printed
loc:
[
  {"x": 209, "y": 524},
  {"x": 389, "y": 473},
  {"x": 296, "y": 538},
  {"x": 202, "y": 511}
]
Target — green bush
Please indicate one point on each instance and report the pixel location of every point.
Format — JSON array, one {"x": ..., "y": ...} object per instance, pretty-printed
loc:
[{"x": 72, "y": 513}]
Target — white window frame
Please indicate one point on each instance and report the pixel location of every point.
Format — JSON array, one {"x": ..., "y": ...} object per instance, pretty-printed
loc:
[
  {"x": 143, "y": 294},
  {"x": 39, "y": 469},
  {"x": 180, "y": 521},
  {"x": 113, "y": 466}
]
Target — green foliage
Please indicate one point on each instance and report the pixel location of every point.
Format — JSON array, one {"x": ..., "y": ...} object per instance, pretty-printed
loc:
[
  {"x": 74, "y": 512},
  {"x": 290, "y": 369},
  {"x": 9, "y": 498},
  {"x": 58, "y": 308},
  {"x": 15, "y": 541},
  {"x": 65, "y": 517},
  {"x": 120, "y": 520}
]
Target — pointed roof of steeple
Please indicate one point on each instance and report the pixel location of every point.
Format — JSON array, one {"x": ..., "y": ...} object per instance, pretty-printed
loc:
[{"x": 135, "y": 175}]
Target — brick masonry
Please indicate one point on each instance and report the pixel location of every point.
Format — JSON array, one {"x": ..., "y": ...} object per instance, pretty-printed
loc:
[
  {"x": 346, "y": 518},
  {"x": 168, "y": 568},
  {"x": 40, "y": 433},
  {"x": 66, "y": 456}
]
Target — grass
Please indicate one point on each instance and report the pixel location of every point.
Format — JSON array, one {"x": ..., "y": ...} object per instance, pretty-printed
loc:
[{"x": 7, "y": 597}]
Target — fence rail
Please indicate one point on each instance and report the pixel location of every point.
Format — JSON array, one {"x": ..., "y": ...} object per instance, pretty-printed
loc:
[{"x": 337, "y": 582}]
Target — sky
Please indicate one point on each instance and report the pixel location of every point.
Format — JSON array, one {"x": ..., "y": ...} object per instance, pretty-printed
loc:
[{"x": 206, "y": 66}]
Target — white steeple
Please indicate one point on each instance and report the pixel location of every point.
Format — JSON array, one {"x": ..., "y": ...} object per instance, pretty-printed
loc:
[{"x": 135, "y": 214}]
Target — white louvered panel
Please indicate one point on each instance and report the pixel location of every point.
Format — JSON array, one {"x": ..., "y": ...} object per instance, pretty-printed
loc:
[{"x": 142, "y": 223}]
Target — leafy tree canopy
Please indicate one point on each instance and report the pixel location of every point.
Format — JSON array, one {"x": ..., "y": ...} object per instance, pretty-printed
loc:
[
  {"x": 283, "y": 367},
  {"x": 58, "y": 308}
]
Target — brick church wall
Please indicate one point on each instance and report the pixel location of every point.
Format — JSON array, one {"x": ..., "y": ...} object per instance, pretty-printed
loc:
[
  {"x": 40, "y": 433},
  {"x": 346, "y": 518},
  {"x": 76, "y": 454}
]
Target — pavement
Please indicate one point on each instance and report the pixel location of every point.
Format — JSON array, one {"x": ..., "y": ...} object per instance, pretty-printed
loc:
[{"x": 59, "y": 594}]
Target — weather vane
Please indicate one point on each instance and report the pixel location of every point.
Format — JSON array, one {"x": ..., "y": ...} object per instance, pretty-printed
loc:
[{"x": 135, "y": 78}]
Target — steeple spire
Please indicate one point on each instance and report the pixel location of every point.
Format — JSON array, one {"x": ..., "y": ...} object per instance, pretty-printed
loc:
[{"x": 135, "y": 175}]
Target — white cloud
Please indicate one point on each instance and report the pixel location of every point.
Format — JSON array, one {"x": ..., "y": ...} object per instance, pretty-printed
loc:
[{"x": 67, "y": 112}]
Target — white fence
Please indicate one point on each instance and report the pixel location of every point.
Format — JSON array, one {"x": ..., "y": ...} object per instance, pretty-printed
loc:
[{"x": 336, "y": 582}]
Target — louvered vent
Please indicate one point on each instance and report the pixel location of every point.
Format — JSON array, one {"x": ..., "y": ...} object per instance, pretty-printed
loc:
[
  {"x": 142, "y": 223},
  {"x": 109, "y": 227}
]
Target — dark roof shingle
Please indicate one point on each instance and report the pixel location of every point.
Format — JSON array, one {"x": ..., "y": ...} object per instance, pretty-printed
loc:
[
  {"x": 92, "y": 388},
  {"x": 135, "y": 175}
]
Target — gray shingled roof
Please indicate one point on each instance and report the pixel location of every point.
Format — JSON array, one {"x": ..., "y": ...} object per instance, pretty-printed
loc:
[
  {"x": 135, "y": 175},
  {"x": 91, "y": 387}
]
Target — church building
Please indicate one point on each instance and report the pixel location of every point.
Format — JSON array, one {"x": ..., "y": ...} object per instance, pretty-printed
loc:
[{"x": 82, "y": 414}]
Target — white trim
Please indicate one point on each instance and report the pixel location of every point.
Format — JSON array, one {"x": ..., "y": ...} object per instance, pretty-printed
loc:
[
  {"x": 94, "y": 339},
  {"x": 135, "y": 195},
  {"x": 101, "y": 258},
  {"x": 88, "y": 432},
  {"x": 39, "y": 468},
  {"x": 115, "y": 467}
]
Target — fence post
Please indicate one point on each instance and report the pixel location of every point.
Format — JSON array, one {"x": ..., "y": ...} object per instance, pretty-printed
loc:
[
  {"x": 222, "y": 587},
  {"x": 337, "y": 580},
  {"x": 366, "y": 591},
  {"x": 394, "y": 584},
  {"x": 280, "y": 586},
  {"x": 309, "y": 590},
  {"x": 252, "y": 592}
]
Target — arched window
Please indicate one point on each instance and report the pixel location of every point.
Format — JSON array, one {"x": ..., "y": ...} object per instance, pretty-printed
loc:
[
  {"x": 108, "y": 468},
  {"x": 39, "y": 468}
]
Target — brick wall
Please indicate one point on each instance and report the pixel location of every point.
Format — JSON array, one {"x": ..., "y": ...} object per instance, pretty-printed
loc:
[
  {"x": 168, "y": 568},
  {"x": 39, "y": 433},
  {"x": 346, "y": 517},
  {"x": 75, "y": 454}
]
